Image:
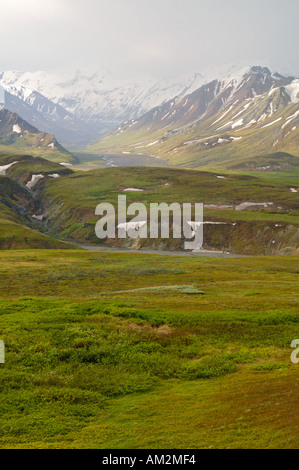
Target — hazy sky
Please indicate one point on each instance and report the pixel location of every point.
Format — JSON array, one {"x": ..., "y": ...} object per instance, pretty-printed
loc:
[{"x": 163, "y": 38}]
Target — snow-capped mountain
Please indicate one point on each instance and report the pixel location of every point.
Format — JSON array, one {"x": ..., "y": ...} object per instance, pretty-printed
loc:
[
  {"x": 243, "y": 115},
  {"x": 46, "y": 115},
  {"x": 18, "y": 136},
  {"x": 96, "y": 98},
  {"x": 210, "y": 98},
  {"x": 106, "y": 100},
  {"x": 80, "y": 107}
]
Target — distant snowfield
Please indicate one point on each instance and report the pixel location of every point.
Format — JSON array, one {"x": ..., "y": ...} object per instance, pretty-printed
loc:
[
  {"x": 101, "y": 95},
  {"x": 104, "y": 103}
]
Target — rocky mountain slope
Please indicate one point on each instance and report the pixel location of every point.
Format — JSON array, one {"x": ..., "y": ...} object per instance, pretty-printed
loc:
[
  {"x": 19, "y": 227},
  {"x": 46, "y": 115},
  {"x": 191, "y": 121},
  {"x": 18, "y": 136},
  {"x": 224, "y": 120},
  {"x": 98, "y": 98}
]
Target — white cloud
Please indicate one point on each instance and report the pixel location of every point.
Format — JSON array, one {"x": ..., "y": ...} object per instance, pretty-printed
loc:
[{"x": 136, "y": 37}]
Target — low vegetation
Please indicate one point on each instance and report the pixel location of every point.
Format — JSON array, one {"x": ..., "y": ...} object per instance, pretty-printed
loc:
[{"x": 102, "y": 353}]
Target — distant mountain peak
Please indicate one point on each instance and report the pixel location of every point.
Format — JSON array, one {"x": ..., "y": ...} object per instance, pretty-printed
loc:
[
  {"x": 79, "y": 107},
  {"x": 257, "y": 69}
]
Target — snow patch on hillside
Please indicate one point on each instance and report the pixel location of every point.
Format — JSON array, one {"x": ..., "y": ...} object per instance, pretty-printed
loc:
[
  {"x": 237, "y": 124},
  {"x": 34, "y": 180},
  {"x": 271, "y": 123},
  {"x": 16, "y": 128},
  {"x": 293, "y": 91},
  {"x": 5, "y": 167}
]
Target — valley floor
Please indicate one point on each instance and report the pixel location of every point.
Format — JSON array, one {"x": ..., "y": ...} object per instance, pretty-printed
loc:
[{"x": 113, "y": 350}]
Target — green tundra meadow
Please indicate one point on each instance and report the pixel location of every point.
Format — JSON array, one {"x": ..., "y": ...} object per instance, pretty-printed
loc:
[{"x": 131, "y": 350}]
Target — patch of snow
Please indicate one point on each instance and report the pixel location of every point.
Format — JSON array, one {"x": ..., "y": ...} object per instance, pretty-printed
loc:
[
  {"x": 221, "y": 177},
  {"x": 289, "y": 119},
  {"x": 242, "y": 110},
  {"x": 164, "y": 117},
  {"x": 38, "y": 217},
  {"x": 54, "y": 175},
  {"x": 225, "y": 125},
  {"x": 293, "y": 190},
  {"x": 253, "y": 121},
  {"x": 132, "y": 225},
  {"x": 262, "y": 118},
  {"x": 293, "y": 91},
  {"x": 200, "y": 140},
  {"x": 272, "y": 91},
  {"x": 16, "y": 128},
  {"x": 5, "y": 167},
  {"x": 221, "y": 117},
  {"x": 65, "y": 164},
  {"x": 34, "y": 180},
  {"x": 273, "y": 122},
  {"x": 152, "y": 143},
  {"x": 52, "y": 145},
  {"x": 132, "y": 190},
  {"x": 245, "y": 205},
  {"x": 218, "y": 206},
  {"x": 237, "y": 124},
  {"x": 148, "y": 145}
]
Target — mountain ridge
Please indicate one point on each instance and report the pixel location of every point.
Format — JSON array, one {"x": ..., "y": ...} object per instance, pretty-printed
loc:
[
  {"x": 18, "y": 136},
  {"x": 189, "y": 130}
]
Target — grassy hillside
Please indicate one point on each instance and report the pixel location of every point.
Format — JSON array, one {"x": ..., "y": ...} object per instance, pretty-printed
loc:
[
  {"x": 17, "y": 136},
  {"x": 27, "y": 165},
  {"x": 65, "y": 205},
  {"x": 218, "y": 138},
  {"x": 118, "y": 365},
  {"x": 68, "y": 205},
  {"x": 15, "y": 234},
  {"x": 17, "y": 229}
]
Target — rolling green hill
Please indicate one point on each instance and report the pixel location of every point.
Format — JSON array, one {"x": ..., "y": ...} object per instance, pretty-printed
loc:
[
  {"x": 258, "y": 216},
  {"x": 23, "y": 167},
  {"x": 68, "y": 206},
  {"x": 17, "y": 228}
]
